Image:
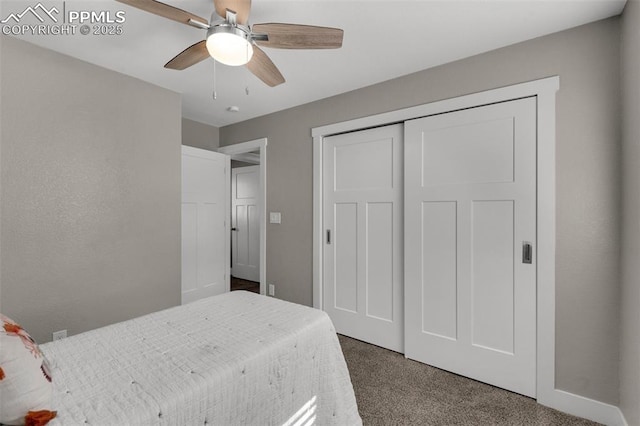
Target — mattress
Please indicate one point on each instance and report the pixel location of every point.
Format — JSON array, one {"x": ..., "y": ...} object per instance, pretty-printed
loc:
[{"x": 234, "y": 359}]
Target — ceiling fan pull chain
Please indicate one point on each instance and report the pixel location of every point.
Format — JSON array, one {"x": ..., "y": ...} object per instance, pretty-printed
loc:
[
  {"x": 215, "y": 95},
  {"x": 249, "y": 54}
]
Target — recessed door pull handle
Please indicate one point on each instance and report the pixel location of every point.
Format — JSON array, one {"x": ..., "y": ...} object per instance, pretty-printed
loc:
[
  {"x": 328, "y": 236},
  {"x": 527, "y": 252}
]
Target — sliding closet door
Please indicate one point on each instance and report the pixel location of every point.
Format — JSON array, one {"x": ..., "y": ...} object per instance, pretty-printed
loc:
[
  {"x": 363, "y": 235},
  {"x": 470, "y": 234}
]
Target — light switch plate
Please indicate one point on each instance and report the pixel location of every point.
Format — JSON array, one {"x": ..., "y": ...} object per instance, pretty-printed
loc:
[{"x": 275, "y": 217}]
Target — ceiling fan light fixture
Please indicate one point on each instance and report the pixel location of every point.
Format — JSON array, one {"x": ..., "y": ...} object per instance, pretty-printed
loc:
[{"x": 229, "y": 45}]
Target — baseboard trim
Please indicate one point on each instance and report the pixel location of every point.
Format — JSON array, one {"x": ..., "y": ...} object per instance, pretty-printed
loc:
[{"x": 584, "y": 407}]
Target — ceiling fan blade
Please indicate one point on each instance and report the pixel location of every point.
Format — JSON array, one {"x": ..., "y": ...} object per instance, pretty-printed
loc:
[
  {"x": 240, "y": 7},
  {"x": 293, "y": 36},
  {"x": 189, "y": 56},
  {"x": 164, "y": 10},
  {"x": 263, "y": 68}
]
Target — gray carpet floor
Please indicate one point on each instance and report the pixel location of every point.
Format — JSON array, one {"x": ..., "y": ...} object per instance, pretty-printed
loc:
[{"x": 393, "y": 390}]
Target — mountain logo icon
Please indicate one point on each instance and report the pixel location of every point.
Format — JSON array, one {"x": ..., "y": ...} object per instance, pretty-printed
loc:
[{"x": 38, "y": 11}]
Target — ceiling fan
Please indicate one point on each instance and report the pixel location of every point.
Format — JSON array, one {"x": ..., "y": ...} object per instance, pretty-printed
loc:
[{"x": 232, "y": 41}]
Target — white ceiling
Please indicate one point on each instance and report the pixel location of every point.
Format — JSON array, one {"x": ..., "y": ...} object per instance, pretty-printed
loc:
[{"x": 382, "y": 40}]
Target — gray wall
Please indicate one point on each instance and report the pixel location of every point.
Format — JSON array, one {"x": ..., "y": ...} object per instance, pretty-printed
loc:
[
  {"x": 200, "y": 135},
  {"x": 630, "y": 314},
  {"x": 90, "y": 193},
  {"x": 588, "y": 181}
]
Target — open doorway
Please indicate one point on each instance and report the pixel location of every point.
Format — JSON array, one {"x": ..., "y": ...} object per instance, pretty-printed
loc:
[
  {"x": 248, "y": 215},
  {"x": 245, "y": 226}
]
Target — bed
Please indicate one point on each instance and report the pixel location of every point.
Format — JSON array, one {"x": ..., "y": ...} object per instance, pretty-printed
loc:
[{"x": 234, "y": 359}]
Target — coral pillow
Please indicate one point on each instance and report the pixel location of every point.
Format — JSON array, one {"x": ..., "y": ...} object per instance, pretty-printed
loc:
[{"x": 25, "y": 382}]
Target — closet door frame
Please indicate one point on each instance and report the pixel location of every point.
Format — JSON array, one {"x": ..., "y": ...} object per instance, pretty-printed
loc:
[{"x": 545, "y": 92}]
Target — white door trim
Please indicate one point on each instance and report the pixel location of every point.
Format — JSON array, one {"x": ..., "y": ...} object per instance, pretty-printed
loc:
[
  {"x": 545, "y": 91},
  {"x": 242, "y": 148}
]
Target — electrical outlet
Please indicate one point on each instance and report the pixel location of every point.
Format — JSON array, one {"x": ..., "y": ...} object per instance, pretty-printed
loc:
[
  {"x": 57, "y": 335},
  {"x": 272, "y": 290}
]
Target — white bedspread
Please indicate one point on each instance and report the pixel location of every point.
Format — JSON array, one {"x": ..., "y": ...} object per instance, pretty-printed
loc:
[{"x": 234, "y": 359}]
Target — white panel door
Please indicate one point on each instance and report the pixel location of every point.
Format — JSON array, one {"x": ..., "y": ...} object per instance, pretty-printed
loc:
[
  {"x": 205, "y": 212},
  {"x": 245, "y": 235},
  {"x": 363, "y": 225},
  {"x": 470, "y": 203}
]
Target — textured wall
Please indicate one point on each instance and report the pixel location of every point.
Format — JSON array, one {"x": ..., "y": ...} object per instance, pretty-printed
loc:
[
  {"x": 200, "y": 135},
  {"x": 588, "y": 181},
  {"x": 630, "y": 313},
  {"x": 90, "y": 193}
]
